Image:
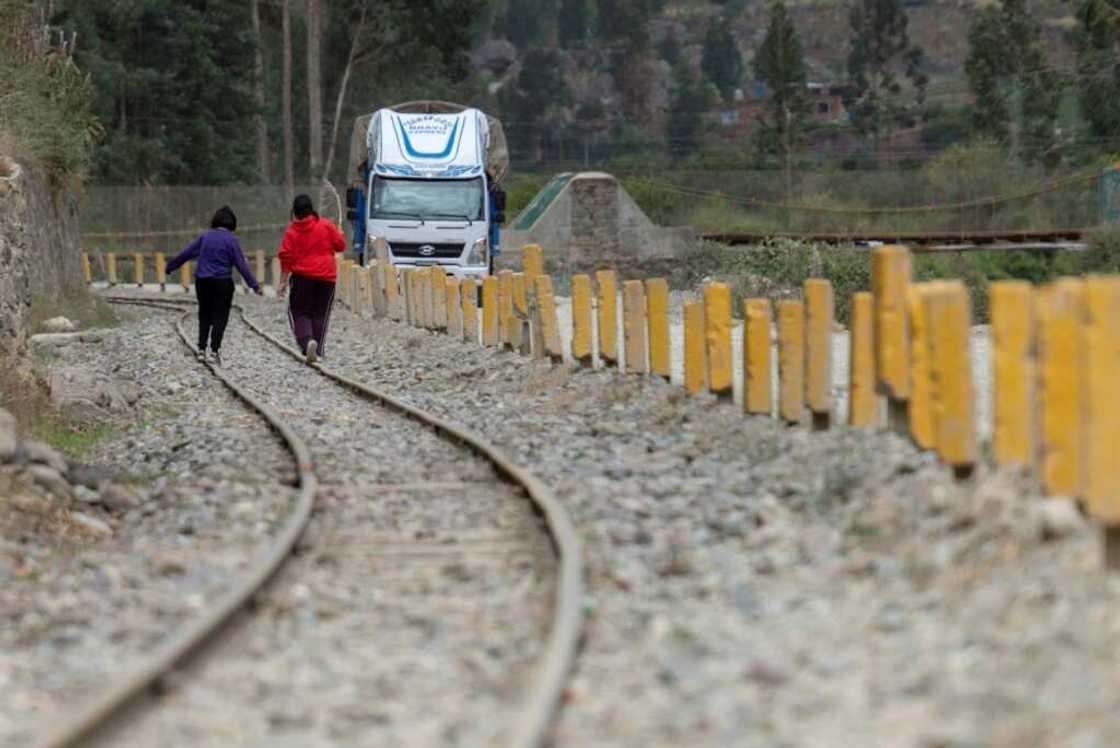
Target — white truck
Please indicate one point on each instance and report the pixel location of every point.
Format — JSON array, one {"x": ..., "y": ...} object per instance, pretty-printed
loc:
[{"x": 428, "y": 180}]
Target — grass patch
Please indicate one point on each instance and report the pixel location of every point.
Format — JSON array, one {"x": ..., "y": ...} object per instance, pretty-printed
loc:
[{"x": 73, "y": 440}]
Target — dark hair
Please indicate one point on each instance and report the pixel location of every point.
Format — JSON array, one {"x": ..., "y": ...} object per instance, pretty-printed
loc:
[
  {"x": 224, "y": 219},
  {"x": 303, "y": 207}
]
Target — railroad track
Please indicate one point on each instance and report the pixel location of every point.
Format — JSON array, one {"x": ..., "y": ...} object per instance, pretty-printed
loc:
[
  {"x": 112, "y": 710},
  {"x": 937, "y": 241}
]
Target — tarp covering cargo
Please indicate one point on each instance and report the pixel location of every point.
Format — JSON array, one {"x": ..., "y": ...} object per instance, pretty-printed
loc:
[{"x": 497, "y": 156}]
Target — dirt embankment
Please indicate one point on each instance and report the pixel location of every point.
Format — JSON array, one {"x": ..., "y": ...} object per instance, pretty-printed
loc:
[{"x": 40, "y": 261}]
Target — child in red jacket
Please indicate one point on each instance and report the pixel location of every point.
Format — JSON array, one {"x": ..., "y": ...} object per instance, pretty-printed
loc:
[{"x": 307, "y": 256}]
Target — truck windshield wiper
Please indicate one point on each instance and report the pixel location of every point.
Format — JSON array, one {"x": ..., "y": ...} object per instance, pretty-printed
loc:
[
  {"x": 398, "y": 214},
  {"x": 452, "y": 215}
]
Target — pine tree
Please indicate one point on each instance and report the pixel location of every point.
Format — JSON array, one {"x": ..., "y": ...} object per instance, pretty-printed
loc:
[
  {"x": 721, "y": 60},
  {"x": 574, "y": 21},
  {"x": 1098, "y": 65},
  {"x": 780, "y": 64},
  {"x": 880, "y": 58},
  {"x": 691, "y": 99},
  {"x": 624, "y": 26},
  {"x": 1006, "y": 65},
  {"x": 539, "y": 91}
]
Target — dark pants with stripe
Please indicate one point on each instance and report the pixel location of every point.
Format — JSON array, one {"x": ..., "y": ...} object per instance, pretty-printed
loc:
[
  {"x": 215, "y": 296},
  {"x": 309, "y": 310}
]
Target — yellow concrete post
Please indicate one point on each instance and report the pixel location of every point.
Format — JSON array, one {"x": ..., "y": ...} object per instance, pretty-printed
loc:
[
  {"x": 608, "y": 317},
  {"x": 532, "y": 262},
  {"x": 454, "y": 307},
  {"x": 261, "y": 266},
  {"x": 138, "y": 268},
  {"x": 186, "y": 275},
  {"x": 922, "y": 408},
  {"x": 581, "y": 320},
  {"x": 1100, "y": 402},
  {"x": 757, "y": 365},
  {"x": 695, "y": 347},
  {"x": 87, "y": 268},
  {"x": 468, "y": 292},
  {"x": 489, "y": 311},
  {"x": 275, "y": 272},
  {"x": 408, "y": 285},
  {"x": 439, "y": 298},
  {"x": 519, "y": 319},
  {"x": 111, "y": 268},
  {"x": 657, "y": 312},
  {"x": 863, "y": 402},
  {"x": 1060, "y": 310},
  {"x": 161, "y": 270},
  {"x": 505, "y": 305},
  {"x": 427, "y": 300},
  {"x": 791, "y": 360},
  {"x": 393, "y": 299},
  {"x": 820, "y": 315},
  {"x": 634, "y": 326},
  {"x": 550, "y": 328},
  {"x": 1015, "y": 373},
  {"x": 717, "y": 325},
  {"x": 890, "y": 276},
  {"x": 948, "y": 311}
]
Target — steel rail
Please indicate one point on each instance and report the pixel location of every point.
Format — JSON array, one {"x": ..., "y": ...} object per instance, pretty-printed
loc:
[
  {"x": 543, "y": 698},
  {"x": 88, "y": 717}
]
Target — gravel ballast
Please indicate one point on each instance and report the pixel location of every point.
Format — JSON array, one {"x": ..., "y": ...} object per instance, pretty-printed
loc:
[{"x": 753, "y": 584}]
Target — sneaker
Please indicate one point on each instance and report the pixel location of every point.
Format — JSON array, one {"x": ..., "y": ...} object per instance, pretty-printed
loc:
[
  {"x": 312, "y": 352},
  {"x": 215, "y": 358},
  {"x": 201, "y": 355}
]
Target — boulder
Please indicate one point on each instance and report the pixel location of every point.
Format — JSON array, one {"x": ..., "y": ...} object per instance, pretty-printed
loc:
[
  {"x": 44, "y": 454},
  {"x": 59, "y": 324}
]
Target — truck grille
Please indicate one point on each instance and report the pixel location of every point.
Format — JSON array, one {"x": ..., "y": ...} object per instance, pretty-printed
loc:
[{"x": 438, "y": 251}]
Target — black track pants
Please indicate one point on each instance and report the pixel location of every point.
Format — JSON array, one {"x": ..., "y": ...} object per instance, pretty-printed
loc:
[
  {"x": 309, "y": 310},
  {"x": 215, "y": 296}
]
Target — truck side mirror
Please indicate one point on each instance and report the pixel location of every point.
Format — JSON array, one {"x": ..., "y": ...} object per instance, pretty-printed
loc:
[{"x": 352, "y": 199}]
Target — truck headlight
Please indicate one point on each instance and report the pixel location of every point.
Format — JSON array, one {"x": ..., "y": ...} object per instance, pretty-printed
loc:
[{"x": 478, "y": 253}]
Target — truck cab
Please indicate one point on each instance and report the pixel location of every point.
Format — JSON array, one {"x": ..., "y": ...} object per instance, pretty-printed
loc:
[{"x": 429, "y": 190}]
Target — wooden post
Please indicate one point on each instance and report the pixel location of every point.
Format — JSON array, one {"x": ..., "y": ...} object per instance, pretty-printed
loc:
[
  {"x": 161, "y": 271},
  {"x": 111, "y": 268},
  {"x": 185, "y": 276},
  {"x": 608, "y": 317},
  {"x": 717, "y": 323},
  {"x": 757, "y": 365},
  {"x": 695, "y": 348},
  {"x": 791, "y": 360},
  {"x": 863, "y": 402},
  {"x": 138, "y": 268},
  {"x": 819, "y": 318}
]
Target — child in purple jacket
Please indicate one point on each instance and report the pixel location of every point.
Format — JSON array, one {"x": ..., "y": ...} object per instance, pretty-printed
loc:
[{"x": 217, "y": 251}]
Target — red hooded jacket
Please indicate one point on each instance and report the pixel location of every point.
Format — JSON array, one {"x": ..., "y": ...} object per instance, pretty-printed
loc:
[{"x": 309, "y": 246}]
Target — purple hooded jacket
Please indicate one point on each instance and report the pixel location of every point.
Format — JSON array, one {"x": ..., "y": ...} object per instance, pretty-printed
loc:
[{"x": 218, "y": 251}]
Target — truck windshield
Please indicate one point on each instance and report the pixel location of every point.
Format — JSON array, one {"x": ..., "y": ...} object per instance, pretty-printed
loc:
[{"x": 427, "y": 198}]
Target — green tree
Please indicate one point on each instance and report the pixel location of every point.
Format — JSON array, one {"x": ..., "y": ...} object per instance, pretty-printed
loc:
[
  {"x": 1016, "y": 91},
  {"x": 692, "y": 96},
  {"x": 528, "y": 106},
  {"x": 574, "y": 22},
  {"x": 1098, "y": 65},
  {"x": 780, "y": 64},
  {"x": 880, "y": 59},
  {"x": 720, "y": 59},
  {"x": 624, "y": 26}
]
